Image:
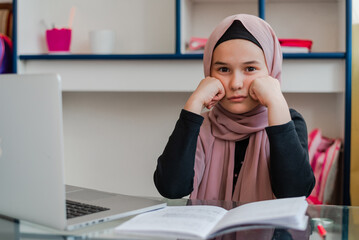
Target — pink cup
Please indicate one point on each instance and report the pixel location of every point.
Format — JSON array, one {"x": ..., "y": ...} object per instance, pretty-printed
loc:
[{"x": 58, "y": 40}]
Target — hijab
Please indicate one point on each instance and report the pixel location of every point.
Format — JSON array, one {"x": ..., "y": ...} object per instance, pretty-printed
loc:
[{"x": 221, "y": 129}]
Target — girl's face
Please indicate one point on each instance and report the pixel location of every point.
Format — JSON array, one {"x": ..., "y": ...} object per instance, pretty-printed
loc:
[{"x": 236, "y": 63}]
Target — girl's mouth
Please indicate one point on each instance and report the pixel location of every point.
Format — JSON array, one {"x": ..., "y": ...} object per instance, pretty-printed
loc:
[{"x": 237, "y": 98}]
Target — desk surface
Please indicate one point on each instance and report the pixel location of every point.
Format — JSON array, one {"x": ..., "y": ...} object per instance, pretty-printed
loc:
[{"x": 341, "y": 222}]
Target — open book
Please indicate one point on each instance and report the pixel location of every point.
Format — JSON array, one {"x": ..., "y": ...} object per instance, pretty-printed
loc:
[{"x": 204, "y": 221}]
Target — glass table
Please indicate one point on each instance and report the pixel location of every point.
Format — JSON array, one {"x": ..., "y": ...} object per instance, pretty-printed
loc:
[{"x": 340, "y": 222}]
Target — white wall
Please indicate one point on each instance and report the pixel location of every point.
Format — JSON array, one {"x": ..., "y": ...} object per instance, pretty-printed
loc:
[
  {"x": 112, "y": 140},
  {"x": 132, "y": 21}
]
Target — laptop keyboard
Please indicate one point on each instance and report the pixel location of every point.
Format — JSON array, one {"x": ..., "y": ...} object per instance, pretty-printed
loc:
[{"x": 77, "y": 209}]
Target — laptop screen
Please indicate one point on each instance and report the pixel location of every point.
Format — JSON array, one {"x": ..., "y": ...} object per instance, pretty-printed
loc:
[{"x": 31, "y": 142}]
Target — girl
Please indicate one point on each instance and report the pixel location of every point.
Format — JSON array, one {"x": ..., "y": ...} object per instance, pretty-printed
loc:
[{"x": 250, "y": 146}]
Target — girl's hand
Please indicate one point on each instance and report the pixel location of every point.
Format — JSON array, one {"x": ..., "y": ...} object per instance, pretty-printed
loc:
[
  {"x": 209, "y": 91},
  {"x": 267, "y": 91}
]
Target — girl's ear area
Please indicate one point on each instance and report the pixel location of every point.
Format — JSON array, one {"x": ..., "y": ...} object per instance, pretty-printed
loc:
[{"x": 265, "y": 60}]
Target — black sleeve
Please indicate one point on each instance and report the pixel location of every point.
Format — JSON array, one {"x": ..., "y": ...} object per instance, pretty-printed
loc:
[
  {"x": 174, "y": 174},
  {"x": 291, "y": 173}
]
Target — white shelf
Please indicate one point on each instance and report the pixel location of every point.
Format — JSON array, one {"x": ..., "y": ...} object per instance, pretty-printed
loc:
[
  {"x": 198, "y": 18},
  {"x": 289, "y": 18},
  {"x": 141, "y": 26},
  {"x": 299, "y": 76},
  {"x": 313, "y": 76},
  {"x": 149, "y": 28},
  {"x": 325, "y": 26}
]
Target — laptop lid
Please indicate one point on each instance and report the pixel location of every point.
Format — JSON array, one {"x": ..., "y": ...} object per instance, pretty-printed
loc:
[
  {"x": 31, "y": 149},
  {"x": 32, "y": 159}
]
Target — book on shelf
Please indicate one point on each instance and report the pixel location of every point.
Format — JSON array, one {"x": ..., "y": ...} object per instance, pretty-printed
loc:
[
  {"x": 291, "y": 45},
  {"x": 206, "y": 221},
  {"x": 295, "y": 50}
]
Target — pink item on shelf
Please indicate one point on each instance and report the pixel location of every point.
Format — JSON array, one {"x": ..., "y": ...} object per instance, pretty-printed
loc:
[
  {"x": 304, "y": 43},
  {"x": 196, "y": 43},
  {"x": 58, "y": 40}
]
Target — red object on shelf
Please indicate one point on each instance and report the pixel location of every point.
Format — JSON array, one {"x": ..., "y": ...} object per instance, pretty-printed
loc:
[
  {"x": 287, "y": 42},
  {"x": 196, "y": 43},
  {"x": 58, "y": 40}
]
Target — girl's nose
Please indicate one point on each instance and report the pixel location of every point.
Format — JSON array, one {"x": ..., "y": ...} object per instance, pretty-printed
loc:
[{"x": 236, "y": 81}]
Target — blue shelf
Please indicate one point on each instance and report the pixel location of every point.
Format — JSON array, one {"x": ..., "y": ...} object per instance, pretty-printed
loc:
[
  {"x": 321, "y": 55},
  {"x": 333, "y": 55},
  {"x": 110, "y": 56}
]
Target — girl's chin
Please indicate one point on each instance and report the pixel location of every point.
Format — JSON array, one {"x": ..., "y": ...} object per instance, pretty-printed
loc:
[{"x": 238, "y": 108}]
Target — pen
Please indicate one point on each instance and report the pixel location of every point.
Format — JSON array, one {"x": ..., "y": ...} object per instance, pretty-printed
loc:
[{"x": 321, "y": 230}]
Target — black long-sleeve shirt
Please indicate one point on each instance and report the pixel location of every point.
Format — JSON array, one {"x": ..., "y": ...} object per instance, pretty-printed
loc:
[{"x": 290, "y": 171}]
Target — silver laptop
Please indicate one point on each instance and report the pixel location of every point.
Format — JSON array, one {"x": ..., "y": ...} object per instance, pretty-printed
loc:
[{"x": 32, "y": 183}]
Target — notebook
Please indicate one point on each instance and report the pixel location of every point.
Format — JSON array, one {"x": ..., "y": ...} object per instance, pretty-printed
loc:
[{"x": 32, "y": 183}]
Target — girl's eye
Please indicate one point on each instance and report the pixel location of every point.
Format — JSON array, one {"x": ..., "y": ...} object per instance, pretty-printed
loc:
[
  {"x": 250, "y": 69},
  {"x": 223, "y": 69}
]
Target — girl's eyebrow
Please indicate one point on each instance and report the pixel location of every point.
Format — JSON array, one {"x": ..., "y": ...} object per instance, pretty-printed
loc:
[
  {"x": 244, "y": 63},
  {"x": 220, "y": 63},
  {"x": 251, "y": 62}
]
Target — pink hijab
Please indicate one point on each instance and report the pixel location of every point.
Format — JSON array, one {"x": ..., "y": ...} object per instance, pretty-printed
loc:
[{"x": 214, "y": 163}]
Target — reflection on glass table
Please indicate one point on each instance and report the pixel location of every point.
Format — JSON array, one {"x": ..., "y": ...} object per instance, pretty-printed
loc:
[{"x": 339, "y": 222}]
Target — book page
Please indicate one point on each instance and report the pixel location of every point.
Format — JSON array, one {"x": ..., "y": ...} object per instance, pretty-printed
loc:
[
  {"x": 287, "y": 212},
  {"x": 181, "y": 221}
]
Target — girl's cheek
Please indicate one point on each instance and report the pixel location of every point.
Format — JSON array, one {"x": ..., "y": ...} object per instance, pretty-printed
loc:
[
  {"x": 249, "y": 81},
  {"x": 223, "y": 81}
]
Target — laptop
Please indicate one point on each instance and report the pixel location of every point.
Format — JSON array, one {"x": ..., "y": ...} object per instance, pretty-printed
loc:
[{"x": 32, "y": 183}]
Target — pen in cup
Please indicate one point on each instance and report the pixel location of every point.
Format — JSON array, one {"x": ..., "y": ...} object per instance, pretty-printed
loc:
[{"x": 321, "y": 230}]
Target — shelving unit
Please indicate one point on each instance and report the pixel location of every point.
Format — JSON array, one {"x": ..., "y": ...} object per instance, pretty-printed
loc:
[
  {"x": 190, "y": 18},
  {"x": 324, "y": 75},
  {"x": 184, "y": 18}
]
